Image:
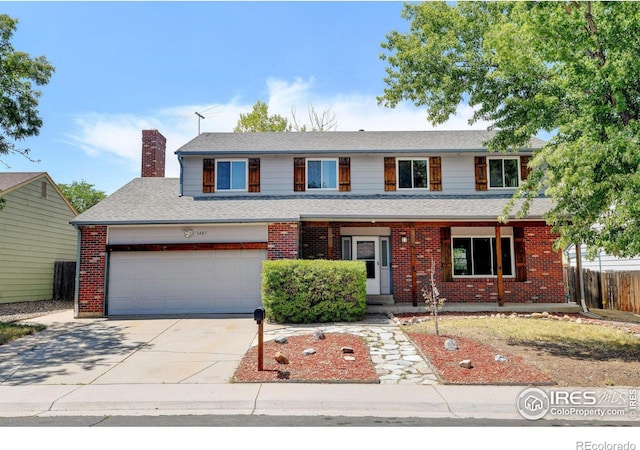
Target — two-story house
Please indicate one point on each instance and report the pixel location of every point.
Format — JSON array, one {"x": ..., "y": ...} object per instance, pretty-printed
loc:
[{"x": 404, "y": 203}]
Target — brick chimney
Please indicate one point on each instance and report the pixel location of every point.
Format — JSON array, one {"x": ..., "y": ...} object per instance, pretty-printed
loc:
[{"x": 154, "y": 146}]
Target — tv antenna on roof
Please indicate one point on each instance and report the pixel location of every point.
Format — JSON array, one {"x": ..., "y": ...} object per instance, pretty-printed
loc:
[{"x": 200, "y": 116}]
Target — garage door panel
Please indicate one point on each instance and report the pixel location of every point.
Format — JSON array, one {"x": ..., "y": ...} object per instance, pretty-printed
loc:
[{"x": 178, "y": 282}]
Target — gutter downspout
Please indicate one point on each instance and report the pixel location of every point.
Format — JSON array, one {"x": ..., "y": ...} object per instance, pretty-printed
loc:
[
  {"x": 181, "y": 173},
  {"x": 76, "y": 289},
  {"x": 579, "y": 277}
]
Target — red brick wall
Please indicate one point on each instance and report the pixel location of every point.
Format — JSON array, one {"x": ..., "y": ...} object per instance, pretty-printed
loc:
[
  {"x": 315, "y": 241},
  {"x": 92, "y": 266},
  {"x": 544, "y": 266},
  {"x": 283, "y": 240},
  {"x": 544, "y": 282},
  {"x": 153, "y": 153}
]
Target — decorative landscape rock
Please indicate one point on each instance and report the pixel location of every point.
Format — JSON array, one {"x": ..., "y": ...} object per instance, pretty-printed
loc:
[
  {"x": 451, "y": 345},
  {"x": 308, "y": 351},
  {"x": 537, "y": 315},
  {"x": 466, "y": 364},
  {"x": 281, "y": 340},
  {"x": 501, "y": 358},
  {"x": 318, "y": 335},
  {"x": 281, "y": 359},
  {"x": 349, "y": 358},
  {"x": 346, "y": 350}
]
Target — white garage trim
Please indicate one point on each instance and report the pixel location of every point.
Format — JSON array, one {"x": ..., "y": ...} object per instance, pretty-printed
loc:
[{"x": 184, "y": 282}]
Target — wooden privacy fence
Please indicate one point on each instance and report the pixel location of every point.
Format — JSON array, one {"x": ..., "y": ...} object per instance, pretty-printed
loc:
[
  {"x": 64, "y": 280},
  {"x": 619, "y": 290}
]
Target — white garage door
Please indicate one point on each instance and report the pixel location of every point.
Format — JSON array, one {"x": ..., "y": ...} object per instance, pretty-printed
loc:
[{"x": 178, "y": 282}]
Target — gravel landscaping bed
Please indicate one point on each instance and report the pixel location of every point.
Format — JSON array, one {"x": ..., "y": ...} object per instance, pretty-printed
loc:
[{"x": 12, "y": 312}]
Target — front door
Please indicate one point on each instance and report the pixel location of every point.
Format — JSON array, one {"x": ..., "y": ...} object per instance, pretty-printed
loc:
[{"x": 367, "y": 249}]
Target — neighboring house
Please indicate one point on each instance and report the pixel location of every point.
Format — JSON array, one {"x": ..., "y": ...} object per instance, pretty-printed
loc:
[
  {"x": 401, "y": 202},
  {"x": 34, "y": 234},
  {"x": 602, "y": 262}
]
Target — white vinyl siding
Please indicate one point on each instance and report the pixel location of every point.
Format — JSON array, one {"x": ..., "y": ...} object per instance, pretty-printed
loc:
[
  {"x": 34, "y": 234},
  {"x": 367, "y": 175}
]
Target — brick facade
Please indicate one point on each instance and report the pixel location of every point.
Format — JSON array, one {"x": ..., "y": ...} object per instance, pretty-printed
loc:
[
  {"x": 282, "y": 240},
  {"x": 544, "y": 276},
  {"x": 154, "y": 146},
  {"x": 91, "y": 271}
]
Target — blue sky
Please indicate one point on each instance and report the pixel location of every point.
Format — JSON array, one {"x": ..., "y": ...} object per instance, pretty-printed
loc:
[{"x": 122, "y": 67}]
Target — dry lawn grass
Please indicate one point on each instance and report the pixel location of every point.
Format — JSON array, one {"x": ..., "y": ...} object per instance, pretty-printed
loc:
[{"x": 592, "y": 353}]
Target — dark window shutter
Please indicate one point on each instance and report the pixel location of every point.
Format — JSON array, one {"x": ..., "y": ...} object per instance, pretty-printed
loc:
[
  {"x": 208, "y": 176},
  {"x": 254, "y": 174},
  {"x": 524, "y": 167},
  {"x": 299, "y": 176},
  {"x": 481, "y": 173},
  {"x": 445, "y": 254},
  {"x": 521, "y": 258},
  {"x": 344, "y": 174},
  {"x": 389, "y": 173},
  {"x": 435, "y": 173}
]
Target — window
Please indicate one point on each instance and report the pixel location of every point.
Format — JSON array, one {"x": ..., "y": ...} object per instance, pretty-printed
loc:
[
  {"x": 346, "y": 248},
  {"x": 322, "y": 174},
  {"x": 231, "y": 175},
  {"x": 476, "y": 256},
  {"x": 413, "y": 174},
  {"x": 504, "y": 173}
]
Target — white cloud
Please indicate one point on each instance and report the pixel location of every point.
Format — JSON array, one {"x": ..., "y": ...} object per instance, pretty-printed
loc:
[{"x": 120, "y": 135}]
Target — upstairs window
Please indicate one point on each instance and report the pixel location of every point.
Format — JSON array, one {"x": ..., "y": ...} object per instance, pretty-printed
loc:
[
  {"x": 231, "y": 175},
  {"x": 413, "y": 174},
  {"x": 503, "y": 172},
  {"x": 322, "y": 174}
]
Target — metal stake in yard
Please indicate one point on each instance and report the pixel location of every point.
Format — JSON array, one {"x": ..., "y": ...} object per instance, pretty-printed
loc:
[{"x": 258, "y": 316}]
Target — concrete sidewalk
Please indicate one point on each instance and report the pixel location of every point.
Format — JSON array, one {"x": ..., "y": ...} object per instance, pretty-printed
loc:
[{"x": 181, "y": 366}]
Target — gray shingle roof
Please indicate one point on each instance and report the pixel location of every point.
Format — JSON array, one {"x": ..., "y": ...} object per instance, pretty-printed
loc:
[
  {"x": 10, "y": 180},
  {"x": 333, "y": 141},
  {"x": 156, "y": 200}
]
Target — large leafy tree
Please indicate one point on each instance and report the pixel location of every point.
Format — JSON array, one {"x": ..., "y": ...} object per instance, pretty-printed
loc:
[
  {"x": 259, "y": 120},
  {"x": 568, "y": 68},
  {"x": 82, "y": 195},
  {"x": 19, "y": 116}
]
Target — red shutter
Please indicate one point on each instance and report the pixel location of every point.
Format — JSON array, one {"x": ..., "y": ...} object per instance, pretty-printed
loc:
[
  {"x": 299, "y": 178},
  {"x": 254, "y": 174},
  {"x": 344, "y": 174},
  {"x": 481, "y": 173},
  {"x": 520, "y": 257},
  {"x": 445, "y": 254},
  {"x": 435, "y": 173},
  {"x": 524, "y": 167},
  {"x": 389, "y": 173},
  {"x": 208, "y": 176}
]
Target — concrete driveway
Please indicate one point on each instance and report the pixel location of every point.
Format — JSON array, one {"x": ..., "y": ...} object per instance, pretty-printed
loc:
[{"x": 184, "y": 349}]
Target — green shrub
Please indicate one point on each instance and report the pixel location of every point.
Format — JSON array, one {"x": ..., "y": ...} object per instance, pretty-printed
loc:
[{"x": 314, "y": 291}]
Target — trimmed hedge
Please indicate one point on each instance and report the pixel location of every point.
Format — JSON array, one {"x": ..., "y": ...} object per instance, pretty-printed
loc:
[{"x": 314, "y": 291}]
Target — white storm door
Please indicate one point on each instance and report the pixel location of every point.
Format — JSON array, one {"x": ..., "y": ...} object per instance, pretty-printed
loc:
[
  {"x": 385, "y": 265},
  {"x": 367, "y": 249}
]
